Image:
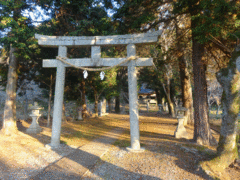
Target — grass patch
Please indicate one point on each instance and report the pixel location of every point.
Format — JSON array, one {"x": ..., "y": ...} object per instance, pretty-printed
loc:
[
  {"x": 122, "y": 143},
  {"x": 198, "y": 147},
  {"x": 125, "y": 143}
]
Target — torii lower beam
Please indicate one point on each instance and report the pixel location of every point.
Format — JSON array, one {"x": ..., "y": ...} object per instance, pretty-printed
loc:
[{"x": 132, "y": 86}]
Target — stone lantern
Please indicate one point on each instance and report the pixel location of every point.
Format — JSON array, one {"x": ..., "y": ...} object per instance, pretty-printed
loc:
[
  {"x": 180, "y": 112},
  {"x": 160, "y": 108},
  {"x": 34, "y": 127},
  {"x": 181, "y": 130}
]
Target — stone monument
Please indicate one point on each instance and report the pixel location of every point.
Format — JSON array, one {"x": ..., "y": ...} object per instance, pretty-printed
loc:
[
  {"x": 181, "y": 130},
  {"x": 34, "y": 127}
]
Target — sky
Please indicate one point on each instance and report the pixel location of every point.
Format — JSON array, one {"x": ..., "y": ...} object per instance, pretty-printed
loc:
[{"x": 38, "y": 15}]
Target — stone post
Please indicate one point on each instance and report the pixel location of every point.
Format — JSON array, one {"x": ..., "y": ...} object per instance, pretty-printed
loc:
[
  {"x": 100, "y": 108},
  {"x": 58, "y": 99},
  {"x": 147, "y": 106},
  {"x": 104, "y": 106},
  {"x": 160, "y": 108},
  {"x": 133, "y": 101},
  {"x": 180, "y": 131}
]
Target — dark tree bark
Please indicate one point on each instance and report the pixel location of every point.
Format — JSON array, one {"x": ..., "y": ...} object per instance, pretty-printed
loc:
[
  {"x": 227, "y": 150},
  {"x": 117, "y": 98},
  {"x": 158, "y": 95},
  {"x": 202, "y": 132},
  {"x": 168, "y": 95},
  {"x": 84, "y": 105},
  {"x": 109, "y": 105},
  {"x": 117, "y": 104},
  {"x": 96, "y": 103},
  {"x": 9, "y": 119}
]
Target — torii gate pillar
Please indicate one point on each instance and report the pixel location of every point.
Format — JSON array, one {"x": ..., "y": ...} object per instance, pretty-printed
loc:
[
  {"x": 58, "y": 99},
  {"x": 133, "y": 101}
]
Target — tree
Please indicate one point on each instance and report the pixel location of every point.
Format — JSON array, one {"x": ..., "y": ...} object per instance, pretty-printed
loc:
[
  {"x": 227, "y": 150},
  {"x": 208, "y": 21},
  {"x": 9, "y": 119},
  {"x": 185, "y": 77},
  {"x": 12, "y": 20}
]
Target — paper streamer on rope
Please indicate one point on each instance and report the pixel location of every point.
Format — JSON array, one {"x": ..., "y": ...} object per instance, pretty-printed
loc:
[
  {"x": 85, "y": 74},
  {"x": 102, "y": 75}
]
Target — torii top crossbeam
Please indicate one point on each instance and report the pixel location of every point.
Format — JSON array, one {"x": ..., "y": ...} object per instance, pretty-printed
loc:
[
  {"x": 63, "y": 42},
  {"x": 55, "y": 41}
]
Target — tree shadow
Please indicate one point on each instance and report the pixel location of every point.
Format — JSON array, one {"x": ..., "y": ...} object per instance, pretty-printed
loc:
[
  {"x": 76, "y": 164},
  {"x": 80, "y": 158}
]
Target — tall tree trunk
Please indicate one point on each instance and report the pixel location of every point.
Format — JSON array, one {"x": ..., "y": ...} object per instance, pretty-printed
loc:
[
  {"x": 186, "y": 90},
  {"x": 64, "y": 120},
  {"x": 96, "y": 103},
  {"x": 117, "y": 97},
  {"x": 202, "y": 133},
  {"x": 185, "y": 78},
  {"x": 158, "y": 95},
  {"x": 109, "y": 105},
  {"x": 168, "y": 95},
  {"x": 9, "y": 119},
  {"x": 227, "y": 150},
  {"x": 49, "y": 101},
  {"x": 84, "y": 105},
  {"x": 117, "y": 104}
]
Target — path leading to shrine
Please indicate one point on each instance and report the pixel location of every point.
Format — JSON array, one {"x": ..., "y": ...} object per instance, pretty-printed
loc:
[{"x": 87, "y": 152}]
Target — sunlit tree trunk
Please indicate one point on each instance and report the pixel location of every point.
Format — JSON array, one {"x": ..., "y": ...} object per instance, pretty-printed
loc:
[
  {"x": 168, "y": 95},
  {"x": 64, "y": 120},
  {"x": 227, "y": 150},
  {"x": 9, "y": 119},
  {"x": 186, "y": 88},
  {"x": 49, "y": 102}
]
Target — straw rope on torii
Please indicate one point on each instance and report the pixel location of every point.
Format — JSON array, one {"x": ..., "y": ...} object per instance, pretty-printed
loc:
[
  {"x": 98, "y": 64},
  {"x": 63, "y": 59}
]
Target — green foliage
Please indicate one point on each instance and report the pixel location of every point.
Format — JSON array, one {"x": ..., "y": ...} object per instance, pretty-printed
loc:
[
  {"x": 217, "y": 18},
  {"x": 133, "y": 14}
]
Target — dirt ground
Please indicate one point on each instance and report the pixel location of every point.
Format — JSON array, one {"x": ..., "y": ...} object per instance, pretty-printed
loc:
[{"x": 165, "y": 157}]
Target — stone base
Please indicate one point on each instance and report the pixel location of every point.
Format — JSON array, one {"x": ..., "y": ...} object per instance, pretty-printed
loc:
[
  {"x": 49, "y": 146},
  {"x": 181, "y": 134},
  {"x": 103, "y": 114},
  {"x": 181, "y": 130},
  {"x": 135, "y": 150},
  {"x": 34, "y": 130},
  {"x": 185, "y": 121}
]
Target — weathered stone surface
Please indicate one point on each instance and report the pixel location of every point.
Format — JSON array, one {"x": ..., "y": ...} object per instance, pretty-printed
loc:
[
  {"x": 58, "y": 99},
  {"x": 238, "y": 63},
  {"x": 181, "y": 131},
  {"x": 34, "y": 127},
  {"x": 133, "y": 101},
  {"x": 54, "y": 41}
]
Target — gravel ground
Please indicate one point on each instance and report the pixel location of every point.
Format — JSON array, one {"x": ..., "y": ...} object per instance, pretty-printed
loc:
[
  {"x": 155, "y": 163},
  {"x": 165, "y": 157}
]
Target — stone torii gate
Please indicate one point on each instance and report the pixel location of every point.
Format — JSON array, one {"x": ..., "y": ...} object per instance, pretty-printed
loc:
[{"x": 62, "y": 42}]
